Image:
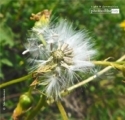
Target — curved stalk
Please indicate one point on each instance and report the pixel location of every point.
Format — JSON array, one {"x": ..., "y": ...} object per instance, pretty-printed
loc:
[
  {"x": 37, "y": 108},
  {"x": 62, "y": 110},
  {"x": 15, "y": 81}
]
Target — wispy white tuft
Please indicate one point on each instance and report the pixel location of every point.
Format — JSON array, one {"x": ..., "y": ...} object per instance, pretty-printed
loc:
[{"x": 71, "y": 51}]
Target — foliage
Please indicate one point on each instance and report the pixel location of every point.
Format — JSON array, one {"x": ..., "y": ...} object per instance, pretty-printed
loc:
[{"x": 107, "y": 94}]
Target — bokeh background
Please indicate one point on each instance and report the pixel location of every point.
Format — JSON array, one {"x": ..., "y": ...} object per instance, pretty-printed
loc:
[{"x": 102, "y": 99}]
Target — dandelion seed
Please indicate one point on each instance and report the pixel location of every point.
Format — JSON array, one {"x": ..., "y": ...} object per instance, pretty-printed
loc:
[{"x": 68, "y": 50}]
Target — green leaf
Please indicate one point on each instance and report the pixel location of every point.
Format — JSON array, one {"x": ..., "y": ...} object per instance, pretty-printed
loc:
[
  {"x": 6, "y": 62},
  {"x": 6, "y": 35}
]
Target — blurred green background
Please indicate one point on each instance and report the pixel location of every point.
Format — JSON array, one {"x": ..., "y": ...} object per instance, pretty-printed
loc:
[{"x": 103, "y": 99}]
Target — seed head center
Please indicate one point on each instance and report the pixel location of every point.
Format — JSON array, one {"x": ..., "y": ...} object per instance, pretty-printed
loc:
[{"x": 58, "y": 55}]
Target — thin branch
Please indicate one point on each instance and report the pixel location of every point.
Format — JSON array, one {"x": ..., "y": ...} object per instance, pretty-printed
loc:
[
  {"x": 62, "y": 110},
  {"x": 107, "y": 63},
  {"x": 93, "y": 77},
  {"x": 15, "y": 81},
  {"x": 37, "y": 108}
]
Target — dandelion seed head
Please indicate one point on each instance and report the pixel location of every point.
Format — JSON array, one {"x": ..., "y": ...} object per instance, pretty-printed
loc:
[{"x": 71, "y": 51}]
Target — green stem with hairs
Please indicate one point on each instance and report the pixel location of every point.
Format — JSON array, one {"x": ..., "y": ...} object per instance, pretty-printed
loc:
[{"x": 11, "y": 82}]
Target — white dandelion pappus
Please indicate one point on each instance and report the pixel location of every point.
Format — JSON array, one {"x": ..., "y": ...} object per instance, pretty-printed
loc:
[{"x": 69, "y": 50}]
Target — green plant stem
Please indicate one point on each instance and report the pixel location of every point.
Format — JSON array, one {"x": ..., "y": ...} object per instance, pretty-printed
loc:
[
  {"x": 120, "y": 62},
  {"x": 91, "y": 78},
  {"x": 15, "y": 81},
  {"x": 62, "y": 110},
  {"x": 36, "y": 109},
  {"x": 42, "y": 40},
  {"x": 106, "y": 63},
  {"x": 113, "y": 64}
]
